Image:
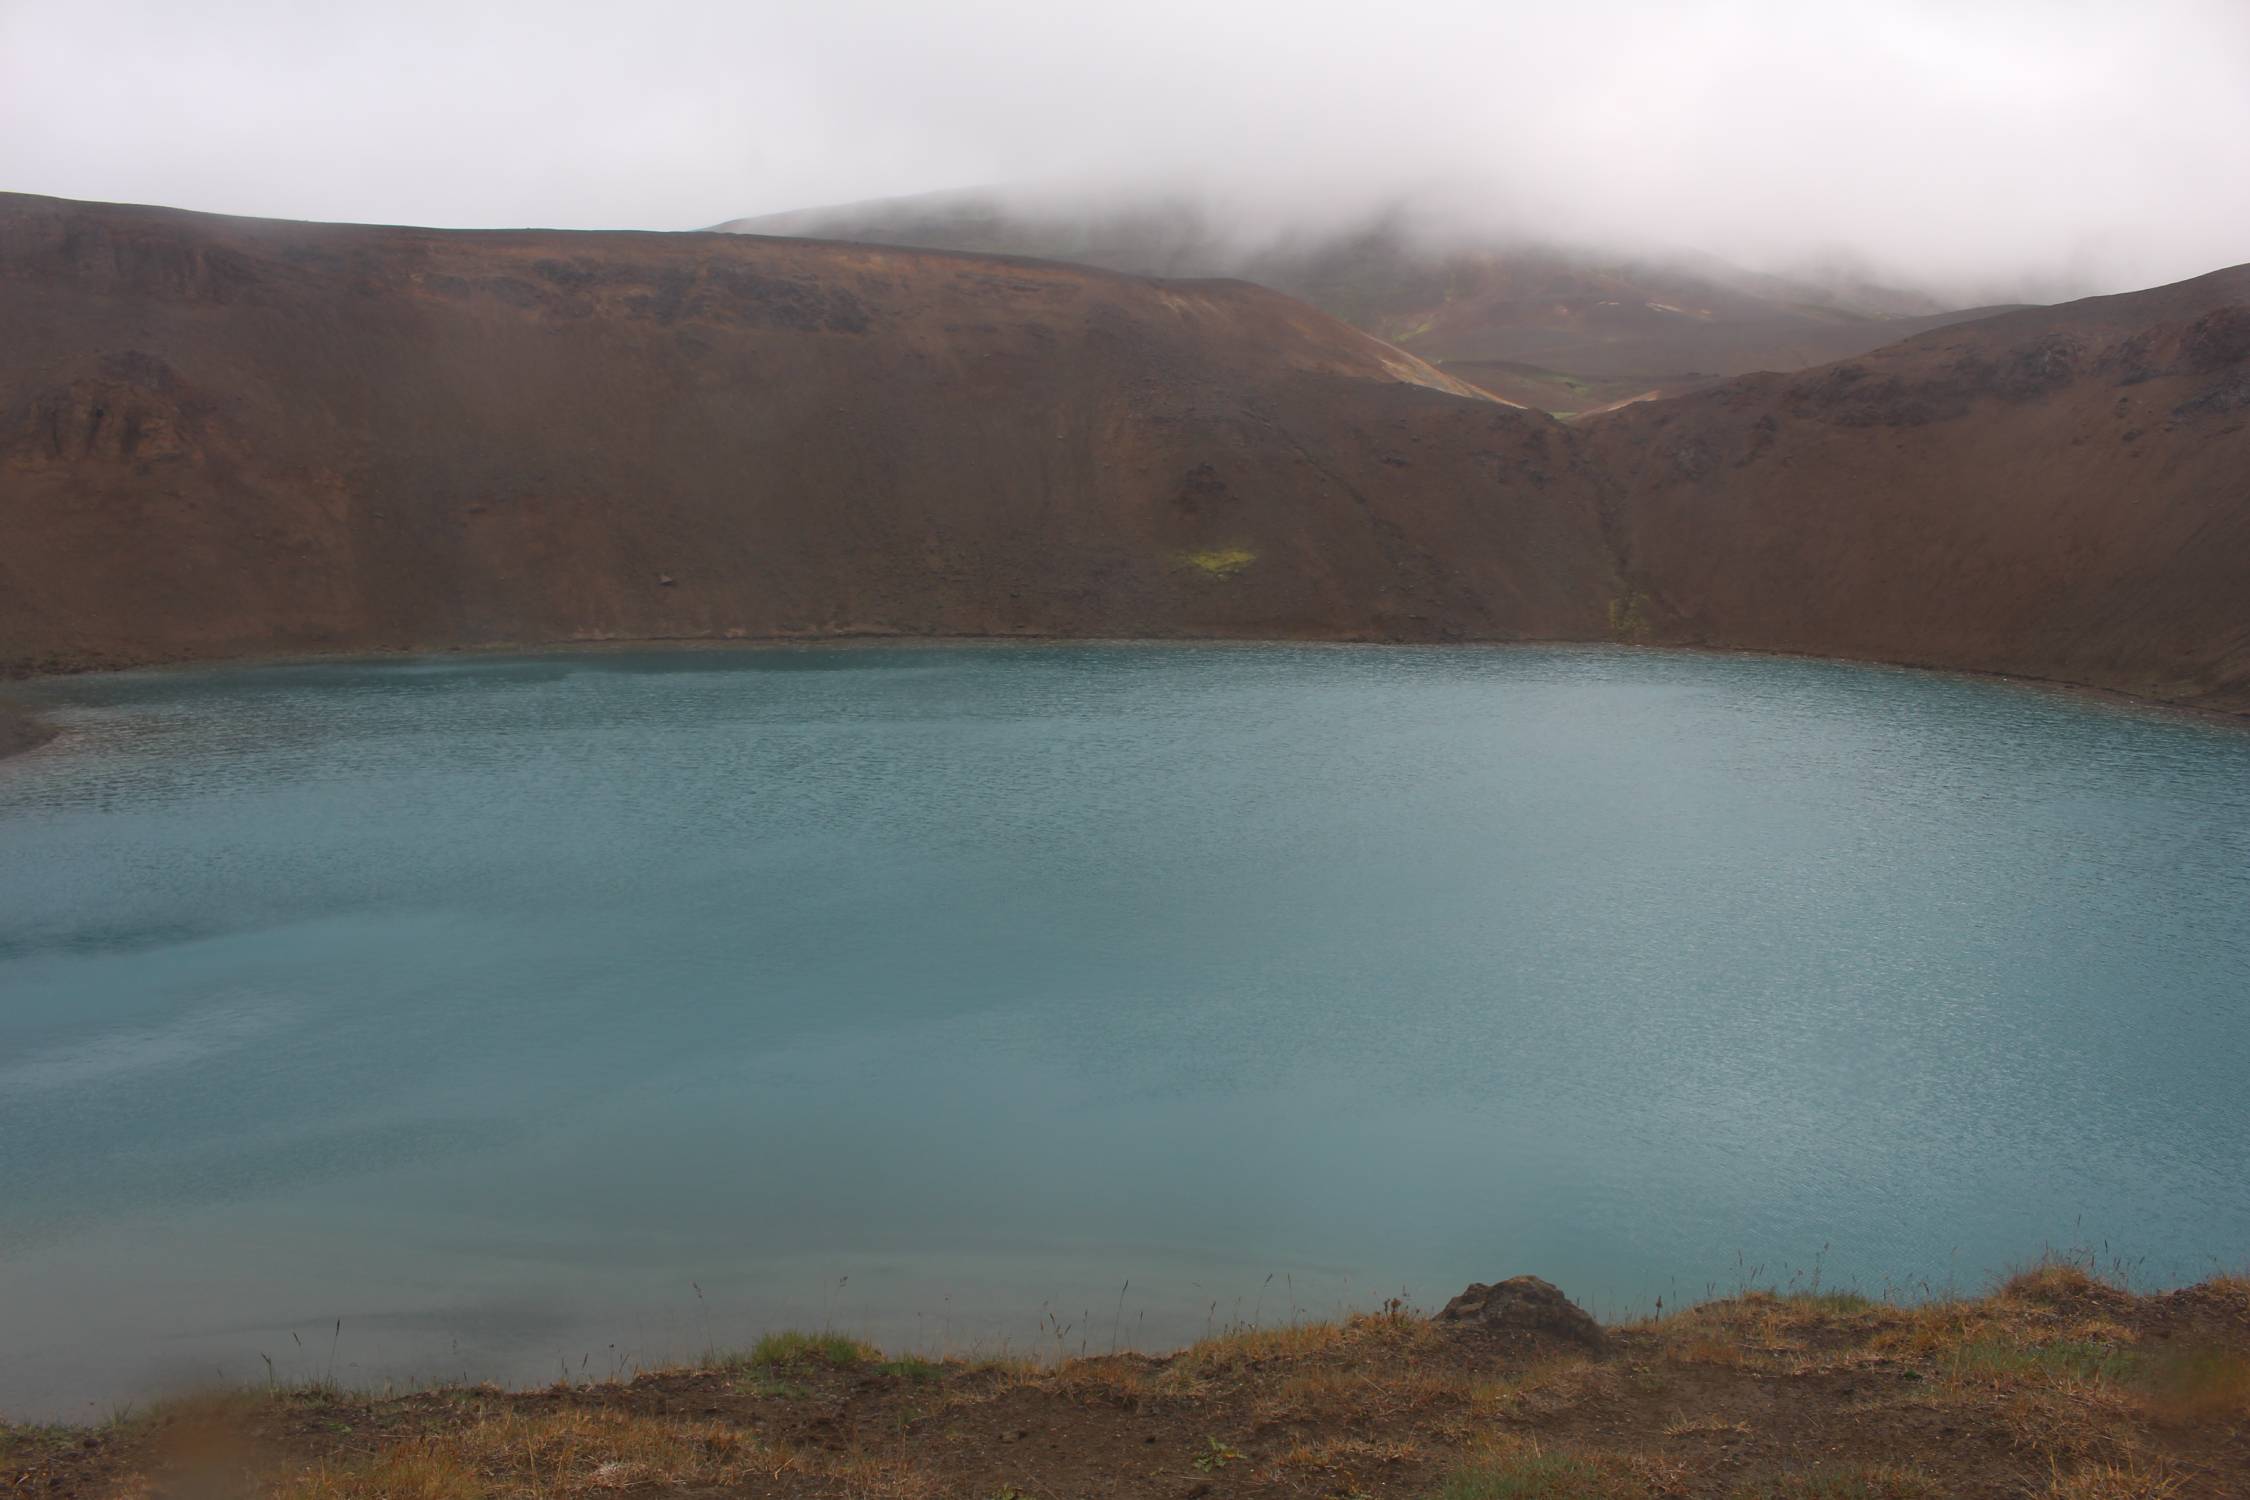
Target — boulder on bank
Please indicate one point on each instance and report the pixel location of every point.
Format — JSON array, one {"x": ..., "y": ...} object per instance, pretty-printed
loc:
[{"x": 1523, "y": 1309}]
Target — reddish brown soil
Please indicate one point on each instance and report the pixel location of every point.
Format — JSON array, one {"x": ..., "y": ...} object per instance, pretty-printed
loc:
[
  {"x": 1569, "y": 396},
  {"x": 223, "y": 437},
  {"x": 1575, "y": 310},
  {"x": 2059, "y": 493}
]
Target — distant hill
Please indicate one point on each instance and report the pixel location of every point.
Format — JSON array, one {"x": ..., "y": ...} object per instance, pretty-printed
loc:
[
  {"x": 2059, "y": 492},
  {"x": 1551, "y": 311},
  {"x": 223, "y": 437}
]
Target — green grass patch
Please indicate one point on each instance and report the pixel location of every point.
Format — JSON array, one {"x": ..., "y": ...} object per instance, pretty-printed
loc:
[
  {"x": 1220, "y": 562},
  {"x": 30, "y": 1441},
  {"x": 911, "y": 1369},
  {"x": 2064, "y": 1360},
  {"x": 1628, "y": 617},
  {"x": 774, "y": 1388},
  {"x": 1216, "y": 1456},
  {"x": 834, "y": 1349}
]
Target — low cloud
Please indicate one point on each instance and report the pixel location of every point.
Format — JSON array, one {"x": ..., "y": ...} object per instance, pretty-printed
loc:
[{"x": 1989, "y": 148}]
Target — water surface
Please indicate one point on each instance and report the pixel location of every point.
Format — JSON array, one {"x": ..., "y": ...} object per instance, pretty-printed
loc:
[{"x": 568, "y": 1012}]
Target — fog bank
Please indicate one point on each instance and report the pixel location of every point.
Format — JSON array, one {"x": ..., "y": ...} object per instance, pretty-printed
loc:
[{"x": 1992, "y": 148}]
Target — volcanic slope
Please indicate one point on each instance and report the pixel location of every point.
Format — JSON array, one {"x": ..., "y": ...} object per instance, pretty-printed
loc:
[
  {"x": 224, "y": 436},
  {"x": 1535, "y": 322},
  {"x": 2056, "y": 492},
  {"x": 227, "y": 437}
]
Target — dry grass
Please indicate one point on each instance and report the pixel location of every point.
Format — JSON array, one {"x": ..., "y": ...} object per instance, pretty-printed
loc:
[
  {"x": 1249, "y": 1346},
  {"x": 1528, "y": 1473},
  {"x": 1707, "y": 1349},
  {"x": 1558, "y": 1385},
  {"x": 542, "y": 1456},
  {"x": 2234, "y": 1290},
  {"x": 2083, "y": 1423},
  {"x": 1311, "y": 1396},
  {"x": 587, "y": 1451},
  {"x": 1346, "y": 1457},
  {"x": 1374, "y": 1338},
  {"x": 2113, "y": 1481},
  {"x": 1863, "y": 1482},
  {"x": 2060, "y": 1283},
  {"x": 1770, "y": 1324},
  {"x": 1121, "y": 1380},
  {"x": 2056, "y": 1385}
]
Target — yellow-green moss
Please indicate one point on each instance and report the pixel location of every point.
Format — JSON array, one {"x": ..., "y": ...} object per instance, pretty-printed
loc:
[{"x": 1220, "y": 562}]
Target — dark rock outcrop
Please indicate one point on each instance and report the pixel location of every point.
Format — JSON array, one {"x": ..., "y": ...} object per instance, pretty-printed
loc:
[{"x": 1523, "y": 1308}]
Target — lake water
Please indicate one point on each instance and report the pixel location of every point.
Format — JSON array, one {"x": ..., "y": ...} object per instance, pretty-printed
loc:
[{"x": 564, "y": 1013}]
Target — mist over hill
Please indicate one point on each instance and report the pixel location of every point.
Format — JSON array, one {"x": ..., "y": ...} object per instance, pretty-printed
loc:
[{"x": 1539, "y": 322}]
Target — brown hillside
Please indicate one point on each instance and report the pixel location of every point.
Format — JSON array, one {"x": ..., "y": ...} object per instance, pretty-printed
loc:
[
  {"x": 228, "y": 436},
  {"x": 1572, "y": 313},
  {"x": 2059, "y": 492},
  {"x": 224, "y": 436}
]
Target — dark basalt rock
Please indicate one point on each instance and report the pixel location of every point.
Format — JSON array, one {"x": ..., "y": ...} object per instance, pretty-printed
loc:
[
  {"x": 2219, "y": 338},
  {"x": 1523, "y": 1307}
]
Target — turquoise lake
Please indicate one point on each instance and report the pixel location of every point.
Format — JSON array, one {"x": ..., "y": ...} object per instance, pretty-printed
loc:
[{"x": 504, "y": 1017}]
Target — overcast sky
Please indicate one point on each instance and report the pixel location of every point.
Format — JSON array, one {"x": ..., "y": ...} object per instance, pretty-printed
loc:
[{"x": 2108, "y": 142}]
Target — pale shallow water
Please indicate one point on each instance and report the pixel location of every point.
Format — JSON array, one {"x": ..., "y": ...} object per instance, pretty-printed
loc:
[{"x": 583, "y": 1011}]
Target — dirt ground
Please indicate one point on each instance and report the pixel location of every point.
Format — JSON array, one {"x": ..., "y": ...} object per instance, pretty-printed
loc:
[{"x": 2057, "y": 1385}]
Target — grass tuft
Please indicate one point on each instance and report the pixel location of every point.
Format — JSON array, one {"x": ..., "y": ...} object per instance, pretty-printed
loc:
[
  {"x": 832, "y": 1349},
  {"x": 921, "y": 1370},
  {"x": 1998, "y": 1362},
  {"x": 518, "y": 1456},
  {"x": 1832, "y": 1304},
  {"x": 2058, "y": 1283},
  {"x": 2113, "y": 1481}
]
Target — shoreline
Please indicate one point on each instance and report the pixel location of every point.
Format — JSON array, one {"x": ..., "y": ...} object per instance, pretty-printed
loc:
[
  {"x": 22, "y": 728},
  {"x": 2056, "y": 1383}
]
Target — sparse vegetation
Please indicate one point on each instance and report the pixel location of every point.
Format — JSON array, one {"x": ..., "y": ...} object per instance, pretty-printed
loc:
[
  {"x": 2062, "y": 1361},
  {"x": 1873, "y": 1482},
  {"x": 1543, "y": 1476},
  {"x": 532, "y": 1456},
  {"x": 2059, "y": 1385},
  {"x": 1216, "y": 1456},
  {"x": 1628, "y": 616},
  {"x": 910, "y": 1369},
  {"x": 833, "y": 1349},
  {"x": 1220, "y": 562}
]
